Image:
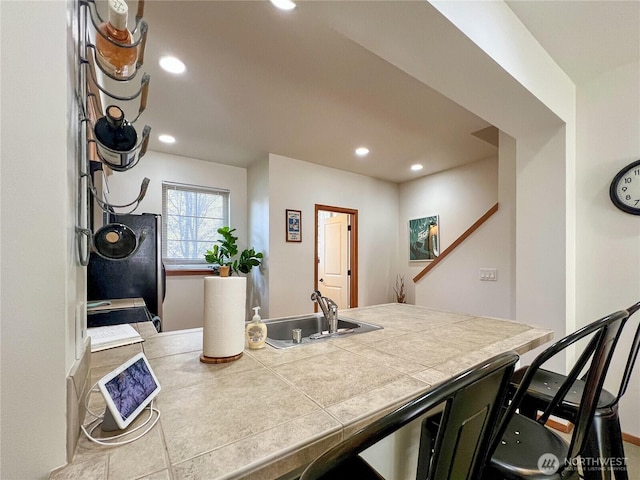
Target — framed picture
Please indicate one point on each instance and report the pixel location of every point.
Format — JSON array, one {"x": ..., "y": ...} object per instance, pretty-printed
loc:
[
  {"x": 424, "y": 242},
  {"x": 294, "y": 225}
]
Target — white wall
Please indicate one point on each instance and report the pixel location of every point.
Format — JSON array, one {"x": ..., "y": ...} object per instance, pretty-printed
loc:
[
  {"x": 545, "y": 152},
  {"x": 40, "y": 279},
  {"x": 299, "y": 185},
  {"x": 543, "y": 259},
  {"x": 184, "y": 297},
  {"x": 460, "y": 196},
  {"x": 184, "y": 303},
  {"x": 505, "y": 223},
  {"x": 258, "y": 200},
  {"x": 608, "y": 253},
  {"x": 284, "y": 283},
  {"x": 590, "y": 266},
  {"x": 496, "y": 30},
  {"x": 518, "y": 88},
  {"x": 36, "y": 333},
  {"x": 159, "y": 167}
]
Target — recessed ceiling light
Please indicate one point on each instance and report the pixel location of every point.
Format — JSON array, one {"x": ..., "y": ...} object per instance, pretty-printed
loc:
[
  {"x": 172, "y": 65},
  {"x": 284, "y": 4},
  {"x": 415, "y": 167},
  {"x": 362, "y": 151},
  {"x": 166, "y": 138}
]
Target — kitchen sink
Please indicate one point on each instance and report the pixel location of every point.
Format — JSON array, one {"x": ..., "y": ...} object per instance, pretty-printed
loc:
[{"x": 314, "y": 328}]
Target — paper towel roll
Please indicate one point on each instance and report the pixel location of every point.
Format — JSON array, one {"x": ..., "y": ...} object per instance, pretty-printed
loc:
[{"x": 224, "y": 316}]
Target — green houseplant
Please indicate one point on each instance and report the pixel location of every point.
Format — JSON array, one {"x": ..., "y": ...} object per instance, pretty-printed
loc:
[{"x": 225, "y": 251}]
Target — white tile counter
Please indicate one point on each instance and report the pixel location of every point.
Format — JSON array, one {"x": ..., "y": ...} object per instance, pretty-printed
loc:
[{"x": 273, "y": 411}]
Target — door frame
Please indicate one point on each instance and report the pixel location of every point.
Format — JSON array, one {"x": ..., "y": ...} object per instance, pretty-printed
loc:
[{"x": 353, "y": 250}]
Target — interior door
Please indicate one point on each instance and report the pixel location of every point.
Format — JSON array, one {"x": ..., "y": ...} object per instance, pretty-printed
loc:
[{"x": 333, "y": 260}]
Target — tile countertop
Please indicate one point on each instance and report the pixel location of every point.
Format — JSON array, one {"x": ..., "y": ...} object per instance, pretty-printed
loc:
[{"x": 273, "y": 411}]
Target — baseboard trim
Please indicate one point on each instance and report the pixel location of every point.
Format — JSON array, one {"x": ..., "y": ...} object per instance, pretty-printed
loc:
[
  {"x": 627, "y": 437},
  {"x": 567, "y": 427},
  {"x": 557, "y": 423},
  {"x": 561, "y": 427}
]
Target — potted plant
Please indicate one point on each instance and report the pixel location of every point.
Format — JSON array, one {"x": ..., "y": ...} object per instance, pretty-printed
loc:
[
  {"x": 224, "y": 252},
  {"x": 399, "y": 289}
]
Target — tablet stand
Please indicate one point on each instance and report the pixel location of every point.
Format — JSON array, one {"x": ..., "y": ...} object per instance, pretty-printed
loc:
[{"x": 108, "y": 423}]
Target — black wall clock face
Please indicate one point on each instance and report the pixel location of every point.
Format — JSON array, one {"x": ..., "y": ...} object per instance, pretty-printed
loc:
[{"x": 625, "y": 189}]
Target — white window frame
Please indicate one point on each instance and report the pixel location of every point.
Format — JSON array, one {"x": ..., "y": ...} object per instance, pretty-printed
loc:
[{"x": 224, "y": 193}]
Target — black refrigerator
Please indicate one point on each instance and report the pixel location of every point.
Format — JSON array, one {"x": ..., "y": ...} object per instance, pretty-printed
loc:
[{"x": 141, "y": 275}]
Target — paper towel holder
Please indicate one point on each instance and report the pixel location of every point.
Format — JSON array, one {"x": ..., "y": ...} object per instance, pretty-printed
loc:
[
  {"x": 224, "y": 319},
  {"x": 205, "y": 359}
]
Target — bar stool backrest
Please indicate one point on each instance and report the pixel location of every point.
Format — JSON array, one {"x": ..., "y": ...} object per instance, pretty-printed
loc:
[
  {"x": 597, "y": 355},
  {"x": 472, "y": 402}
]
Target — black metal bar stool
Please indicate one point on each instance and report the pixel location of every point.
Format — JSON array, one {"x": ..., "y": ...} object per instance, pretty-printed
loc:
[
  {"x": 524, "y": 448},
  {"x": 605, "y": 437},
  {"x": 472, "y": 403}
]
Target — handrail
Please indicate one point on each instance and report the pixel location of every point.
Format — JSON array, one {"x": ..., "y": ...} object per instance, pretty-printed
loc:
[{"x": 457, "y": 242}]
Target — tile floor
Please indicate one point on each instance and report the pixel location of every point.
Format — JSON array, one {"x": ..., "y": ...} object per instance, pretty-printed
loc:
[{"x": 633, "y": 459}]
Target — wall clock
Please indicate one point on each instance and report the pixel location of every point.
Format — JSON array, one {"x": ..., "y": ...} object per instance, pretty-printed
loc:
[{"x": 625, "y": 189}]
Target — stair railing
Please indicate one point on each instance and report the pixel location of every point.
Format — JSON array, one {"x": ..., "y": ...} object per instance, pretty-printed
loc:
[{"x": 457, "y": 242}]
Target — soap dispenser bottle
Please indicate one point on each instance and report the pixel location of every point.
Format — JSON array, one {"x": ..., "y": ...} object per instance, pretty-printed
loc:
[{"x": 256, "y": 332}]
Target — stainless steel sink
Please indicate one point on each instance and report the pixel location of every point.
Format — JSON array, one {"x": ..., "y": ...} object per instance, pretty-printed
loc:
[{"x": 314, "y": 328}]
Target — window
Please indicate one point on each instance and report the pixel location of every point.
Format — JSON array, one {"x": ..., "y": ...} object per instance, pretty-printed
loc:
[{"x": 191, "y": 216}]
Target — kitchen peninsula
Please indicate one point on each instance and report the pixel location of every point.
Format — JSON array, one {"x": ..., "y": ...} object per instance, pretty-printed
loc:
[{"x": 273, "y": 411}]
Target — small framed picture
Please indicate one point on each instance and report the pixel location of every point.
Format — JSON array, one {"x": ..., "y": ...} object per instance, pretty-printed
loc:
[
  {"x": 423, "y": 238},
  {"x": 294, "y": 225}
]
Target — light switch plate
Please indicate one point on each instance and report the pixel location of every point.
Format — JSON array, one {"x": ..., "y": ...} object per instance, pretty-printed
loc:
[{"x": 489, "y": 274}]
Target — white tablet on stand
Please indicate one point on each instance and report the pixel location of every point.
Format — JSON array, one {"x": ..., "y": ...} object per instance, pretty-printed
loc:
[{"x": 127, "y": 390}]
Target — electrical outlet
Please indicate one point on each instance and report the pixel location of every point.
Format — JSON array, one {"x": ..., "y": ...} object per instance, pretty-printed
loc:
[{"x": 489, "y": 274}]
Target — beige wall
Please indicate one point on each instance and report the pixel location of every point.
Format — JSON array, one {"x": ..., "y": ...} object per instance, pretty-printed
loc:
[
  {"x": 38, "y": 292},
  {"x": 284, "y": 284},
  {"x": 608, "y": 247},
  {"x": 299, "y": 185},
  {"x": 259, "y": 214},
  {"x": 40, "y": 279},
  {"x": 516, "y": 87},
  {"x": 459, "y": 196},
  {"x": 184, "y": 295}
]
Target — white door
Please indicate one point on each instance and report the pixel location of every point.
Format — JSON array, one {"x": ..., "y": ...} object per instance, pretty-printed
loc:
[{"x": 333, "y": 261}]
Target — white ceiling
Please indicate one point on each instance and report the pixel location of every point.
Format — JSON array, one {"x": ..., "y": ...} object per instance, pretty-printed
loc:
[
  {"x": 585, "y": 37},
  {"x": 260, "y": 80}
]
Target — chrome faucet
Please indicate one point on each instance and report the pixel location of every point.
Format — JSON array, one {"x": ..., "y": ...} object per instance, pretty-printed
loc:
[{"x": 329, "y": 310}]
